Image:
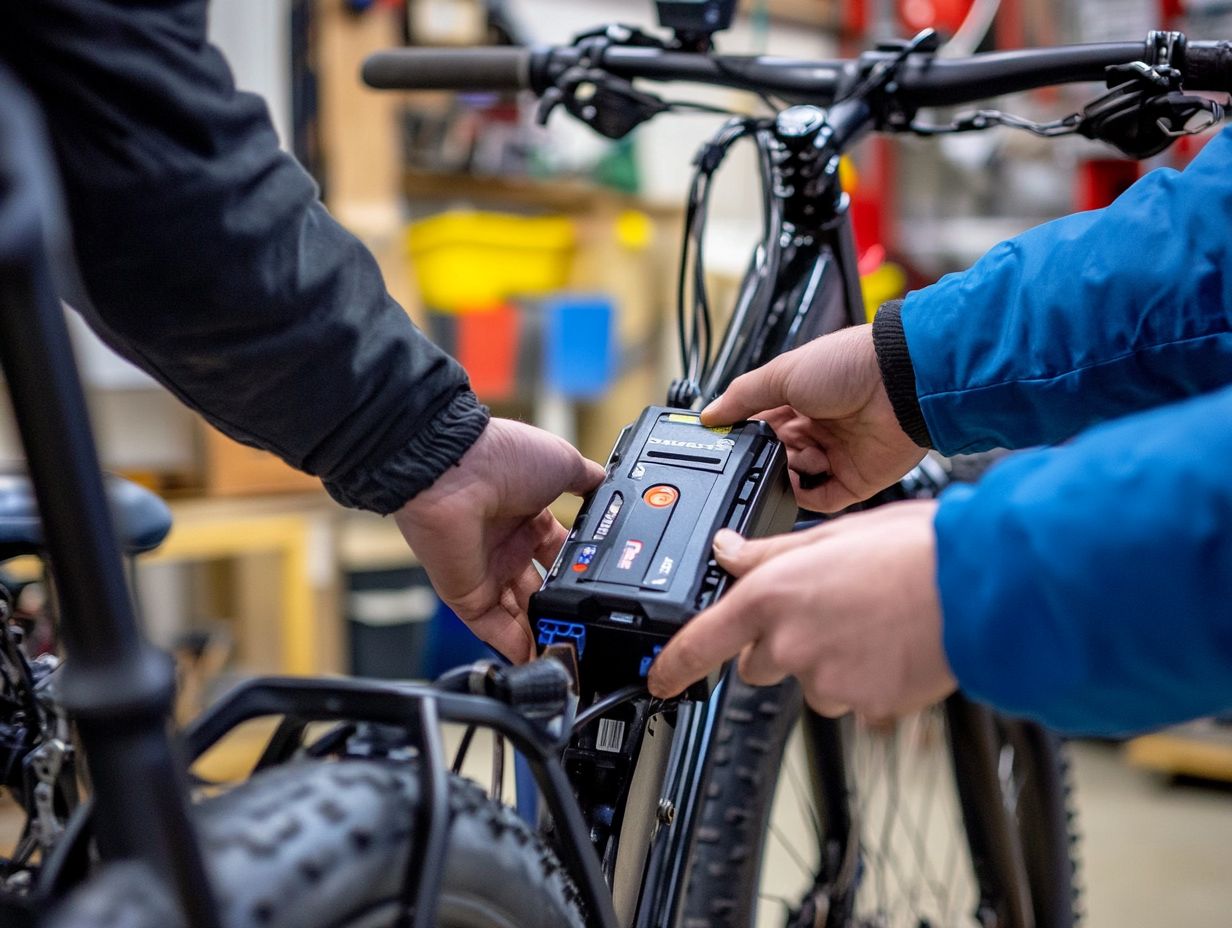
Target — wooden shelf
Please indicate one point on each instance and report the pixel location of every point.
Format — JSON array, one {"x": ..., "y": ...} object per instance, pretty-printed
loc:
[
  {"x": 1202, "y": 750},
  {"x": 567, "y": 195},
  {"x": 822, "y": 14},
  {"x": 295, "y": 528}
]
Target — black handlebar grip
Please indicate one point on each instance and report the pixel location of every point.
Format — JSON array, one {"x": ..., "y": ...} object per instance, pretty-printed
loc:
[
  {"x": 496, "y": 68},
  {"x": 1208, "y": 66}
]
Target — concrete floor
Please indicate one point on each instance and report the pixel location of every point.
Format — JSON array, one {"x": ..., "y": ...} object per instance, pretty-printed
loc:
[{"x": 1154, "y": 854}]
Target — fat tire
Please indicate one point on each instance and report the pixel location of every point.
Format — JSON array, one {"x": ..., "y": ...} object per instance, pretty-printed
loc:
[
  {"x": 755, "y": 724},
  {"x": 324, "y": 845}
]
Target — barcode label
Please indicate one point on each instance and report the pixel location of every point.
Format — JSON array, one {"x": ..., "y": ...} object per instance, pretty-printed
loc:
[{"x": 611, "y": 735}]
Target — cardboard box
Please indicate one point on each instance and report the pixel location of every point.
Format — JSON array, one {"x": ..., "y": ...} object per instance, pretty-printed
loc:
[{"x": 232, "y": 469}]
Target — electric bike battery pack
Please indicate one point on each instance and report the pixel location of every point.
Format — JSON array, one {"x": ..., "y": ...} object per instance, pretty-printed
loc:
[{"x": 638, "y": 563}]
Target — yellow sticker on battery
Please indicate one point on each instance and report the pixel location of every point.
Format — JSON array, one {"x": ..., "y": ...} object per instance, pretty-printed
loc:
[{"x": 686, "y": 419}]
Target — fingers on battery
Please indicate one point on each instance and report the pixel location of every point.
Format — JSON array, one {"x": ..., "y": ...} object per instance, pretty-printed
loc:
[
  {"x": 738, "y": 556},
  {"x": 588, "y": 475},
  {"x": 749, "y": 394},
  {"x": 704, "y": 644},
  {"x": 821, "y": 495},
  {"x": 549, "y": 536},
  {"x": 788, "y": 424},
  {"x": 811, "y": 463},
  {"x": 506, "y": 628},
  {"x": 567, "y": 472},
  {"x": 523, "y": 586}
]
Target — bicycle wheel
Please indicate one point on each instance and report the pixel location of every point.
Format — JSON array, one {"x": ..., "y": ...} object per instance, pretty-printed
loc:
[
  {"x": 915, "y": 866},
  {"x": 324, "y": 845}
]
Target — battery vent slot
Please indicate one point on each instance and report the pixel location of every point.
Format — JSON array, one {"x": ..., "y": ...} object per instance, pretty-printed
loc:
[{"x": 679, "y": 456}]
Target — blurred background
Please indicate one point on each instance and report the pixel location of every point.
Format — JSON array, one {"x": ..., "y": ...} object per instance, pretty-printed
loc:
[{"x": 544, "y": 259}]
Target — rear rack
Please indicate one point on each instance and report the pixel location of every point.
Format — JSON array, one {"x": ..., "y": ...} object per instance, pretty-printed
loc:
[{"x": 418, "y": 709}]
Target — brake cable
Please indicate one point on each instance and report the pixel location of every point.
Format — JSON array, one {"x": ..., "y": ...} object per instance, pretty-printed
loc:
[
  {"x": 694, "y": 322},
  {"x": 1144, "y": 111}
]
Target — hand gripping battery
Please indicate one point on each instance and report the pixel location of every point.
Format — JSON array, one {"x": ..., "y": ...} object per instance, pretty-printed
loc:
[{"x": 638, "y": 563}]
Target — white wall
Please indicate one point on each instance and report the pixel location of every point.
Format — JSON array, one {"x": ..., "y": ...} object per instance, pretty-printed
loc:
[{"x": 255, "y": 38}]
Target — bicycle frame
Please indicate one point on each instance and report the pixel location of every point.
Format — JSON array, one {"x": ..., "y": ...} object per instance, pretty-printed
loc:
[{"x": 815, "y": 289}]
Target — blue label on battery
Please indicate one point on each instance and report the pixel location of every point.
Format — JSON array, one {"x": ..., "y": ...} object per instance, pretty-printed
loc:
[{"x": 584, "y": 556}]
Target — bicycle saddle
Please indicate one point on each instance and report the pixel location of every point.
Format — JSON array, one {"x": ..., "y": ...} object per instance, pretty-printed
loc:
[{"x": 142, "y": 520}]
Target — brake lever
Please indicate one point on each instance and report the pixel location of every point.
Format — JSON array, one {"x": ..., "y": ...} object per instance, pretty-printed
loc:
[
  {"x": 1147, "y": 111},
  {"x": 1186, "y": 108},
  {"x": 1144, "y": 111},
  {"x": 609, "y": 105}
]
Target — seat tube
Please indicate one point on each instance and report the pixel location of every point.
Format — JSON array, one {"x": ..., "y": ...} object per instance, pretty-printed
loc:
[{"x": 116, "y": 686}]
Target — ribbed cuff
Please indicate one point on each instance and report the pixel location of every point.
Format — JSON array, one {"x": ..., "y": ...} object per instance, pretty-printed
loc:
[
  {"x": 415, "y": 466},
  {"x": 898, "y": 373}
]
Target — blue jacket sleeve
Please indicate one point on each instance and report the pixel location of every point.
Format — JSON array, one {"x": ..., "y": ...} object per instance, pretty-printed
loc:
[
  {"x": 1083, "y": 319},
  {"x": 1090, "y": 586}
]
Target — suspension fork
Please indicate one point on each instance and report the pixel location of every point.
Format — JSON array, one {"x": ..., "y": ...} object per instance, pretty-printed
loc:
[
  {"x": 996, "y": 845},
  {"x": 835, "y": 882}
]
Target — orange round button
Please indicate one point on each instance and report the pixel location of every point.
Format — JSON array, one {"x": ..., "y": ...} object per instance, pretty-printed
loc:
[{"x": 661, "y": 496}]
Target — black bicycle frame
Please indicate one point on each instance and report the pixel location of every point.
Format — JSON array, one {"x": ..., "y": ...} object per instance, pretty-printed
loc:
[
  {"x": 117, "y": 687},
  {"x": 812, "y": 287}
]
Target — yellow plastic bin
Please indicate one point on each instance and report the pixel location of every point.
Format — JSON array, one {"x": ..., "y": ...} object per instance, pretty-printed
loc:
[{"x": 468, "y": 259}]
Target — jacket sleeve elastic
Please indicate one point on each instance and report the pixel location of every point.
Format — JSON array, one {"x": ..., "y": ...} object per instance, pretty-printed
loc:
[
  {"x": 210, "y": 262},
  {"x": 1078, "y": 321},
  {"x": 1090, "y": 586}
]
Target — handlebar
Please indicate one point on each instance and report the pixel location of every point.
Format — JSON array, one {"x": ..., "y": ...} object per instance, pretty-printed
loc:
[
  {"x": 923, "y": 80},
  {"x": 1208, "y": 66},
  {"x": 475, "y": 69}
]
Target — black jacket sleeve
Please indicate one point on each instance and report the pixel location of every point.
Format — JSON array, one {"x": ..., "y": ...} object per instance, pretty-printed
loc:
[{"x": 210, "y": 262}]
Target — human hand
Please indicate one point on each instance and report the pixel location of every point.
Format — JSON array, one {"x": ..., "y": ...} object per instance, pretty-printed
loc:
[
  {"x": 850, "y": 608},
  {"x": 827, "y": 403},
  {"x": 478, "y": 527}
]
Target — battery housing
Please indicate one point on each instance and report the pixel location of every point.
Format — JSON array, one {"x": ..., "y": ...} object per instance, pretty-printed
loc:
[{"x": 638, "y": 563}]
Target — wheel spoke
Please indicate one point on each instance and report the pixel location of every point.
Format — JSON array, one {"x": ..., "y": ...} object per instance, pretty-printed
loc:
[
  {"x": 791, "y": 850},
  {"x": 912, "y": 841},
  {"x": 806, "y": 805},
  {"x": 915, "y": 862}
]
